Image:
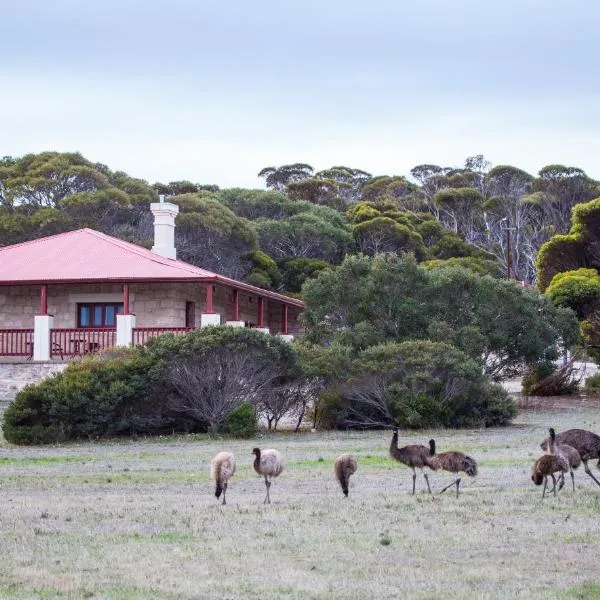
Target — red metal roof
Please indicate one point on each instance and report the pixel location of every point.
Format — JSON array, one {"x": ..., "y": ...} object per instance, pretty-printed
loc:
[{"x": 88, "y": 256}]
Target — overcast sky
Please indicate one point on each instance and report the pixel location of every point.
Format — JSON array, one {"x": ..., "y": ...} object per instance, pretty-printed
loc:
[{"x": 215, "y": 90}]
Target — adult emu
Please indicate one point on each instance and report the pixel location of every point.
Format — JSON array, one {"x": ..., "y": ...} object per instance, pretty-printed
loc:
[
  {"x": 267, "y": 463},
  {"x": 414, "y": 456},
  {"x": 453, "y": 462}
]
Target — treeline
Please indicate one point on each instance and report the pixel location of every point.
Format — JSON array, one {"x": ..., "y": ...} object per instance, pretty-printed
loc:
[{"x": 475, "y": 215}]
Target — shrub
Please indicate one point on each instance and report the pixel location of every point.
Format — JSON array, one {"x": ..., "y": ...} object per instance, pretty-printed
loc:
[
  {"x": 241, "y": 421},
  {"x": 545, "y": 379},
  {"x": 414, "y": 384},
  {"x": 592, "y": 385},
  {"x": 132, "y": 391}
]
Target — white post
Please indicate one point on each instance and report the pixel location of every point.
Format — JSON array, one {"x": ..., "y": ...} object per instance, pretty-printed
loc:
[
  {"x": 288, "y": 337},
  {"x": 207, "y": 319},
  {"x": 263, "y": 330},
  {"x": 164, "y": 228},
  {"x": 236, "y": 323},
  {"x": 42, "y": 325},
  {"x": 125, "y": 326}
]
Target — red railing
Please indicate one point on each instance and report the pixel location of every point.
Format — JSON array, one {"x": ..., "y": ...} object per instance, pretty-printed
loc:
[
  {"x": 16, "y": 342},
  {"x": 80, "y": 341},
  {"x": 142, "y": 334}
]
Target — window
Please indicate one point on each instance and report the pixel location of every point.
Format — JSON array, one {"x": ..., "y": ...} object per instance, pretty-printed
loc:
[{"x": 98, "y": 314}]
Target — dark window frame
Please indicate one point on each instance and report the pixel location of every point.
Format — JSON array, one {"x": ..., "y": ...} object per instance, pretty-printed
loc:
[{"x": 91, "y": 306}]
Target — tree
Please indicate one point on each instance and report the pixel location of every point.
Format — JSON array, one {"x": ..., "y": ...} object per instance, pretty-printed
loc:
[
  {"x": 42, "y": 180},
  {"x": 460, "y": 211},
  {"x": 305, "y": 235},
  {"x": 211, "y": 371},
  {"x": 498, "y": 324},
  {"x": 278, "y": 178}
]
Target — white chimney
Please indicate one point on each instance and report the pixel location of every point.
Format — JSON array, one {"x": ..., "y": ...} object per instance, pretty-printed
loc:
[{"x": 164, "y": 228}]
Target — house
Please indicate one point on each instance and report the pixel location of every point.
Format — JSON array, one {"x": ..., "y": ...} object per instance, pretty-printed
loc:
[{"x": 69, "y": 294}]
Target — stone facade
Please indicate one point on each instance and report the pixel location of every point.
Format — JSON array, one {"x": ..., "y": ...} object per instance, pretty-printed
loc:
[{"x": 154, "y": 304}]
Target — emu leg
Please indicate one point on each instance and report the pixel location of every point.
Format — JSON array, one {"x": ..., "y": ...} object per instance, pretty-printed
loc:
[
  {"x": 267, "y": 497},
  {"x": 573, "y": 479},
  {"x": 545, "y": 484},
  {"x": 587, "y": 470},
  {"x": 414, "y": 481},
  {"x": 427, "y": 481},
  {"x": 456, "y": 482},
  {"x": 224, "y": 491},
  {"x": 554, "y": 482},
  {"x": 561, "y": 483}
]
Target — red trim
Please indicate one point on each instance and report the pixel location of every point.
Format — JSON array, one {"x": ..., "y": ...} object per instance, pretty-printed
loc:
[
  {"x": 208, "y": 308},
  {"x": 284, "y": 319},
  {"x": 215, "y": 280},
  {"x": 236, "y": 305},
  {"x": 260, "y": 313},
  {"x": 44, "y": 300}
]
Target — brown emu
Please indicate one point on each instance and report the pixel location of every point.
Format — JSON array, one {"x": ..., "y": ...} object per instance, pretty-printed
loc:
[
  {"x": 344, "y": 466},
  {"x": 222, "y": 467},
  {"x": 453, "y": 462},
  {"x": 566, "y": 453},
  {"x": 267, "y": 463},
  {"x": 415, "y": 457},
  {"x": 585, "y": 442},
  {"x": 545, "y": 466}
]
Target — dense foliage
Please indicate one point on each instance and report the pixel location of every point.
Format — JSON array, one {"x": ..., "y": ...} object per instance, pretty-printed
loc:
[
  {"x": 411, "y": 384},
  {"x": 568, "y": 271},
  {"x": 200, "y": 381},
  {"x": 500, "y": 325}
]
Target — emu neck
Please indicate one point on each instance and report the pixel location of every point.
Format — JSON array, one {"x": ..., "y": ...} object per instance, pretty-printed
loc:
[{"x": 257, "y": 462}]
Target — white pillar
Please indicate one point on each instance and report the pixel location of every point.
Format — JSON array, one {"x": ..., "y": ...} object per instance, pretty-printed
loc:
[
  {"x": 125, "y": 325},
  {"x": 207, "y": 319},
  {"x": 263, "y": 330},
  {"x": 164, "y": 228},
  {"x": 41, "y": 336},
  {"x": 288, "y": 337},
  {"x": 236, "y": 323}
]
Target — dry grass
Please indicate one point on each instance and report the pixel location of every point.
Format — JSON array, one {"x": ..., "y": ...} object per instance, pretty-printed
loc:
[{"x": 139, "y": 520}]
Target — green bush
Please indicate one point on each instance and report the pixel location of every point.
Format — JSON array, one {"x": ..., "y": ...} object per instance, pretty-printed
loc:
[
  {"x": 132, "y": 391},
  {"x": 241, "y": 421},
  {"x": 592, "y": 385},
  {"x": 413, "y": 384}
]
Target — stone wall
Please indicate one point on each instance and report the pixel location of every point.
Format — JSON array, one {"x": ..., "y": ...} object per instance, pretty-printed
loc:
[{"x": 15, "y": 376}]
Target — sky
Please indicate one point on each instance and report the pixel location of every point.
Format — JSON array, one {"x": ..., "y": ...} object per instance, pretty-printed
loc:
[{"x": 213, "y": 91}]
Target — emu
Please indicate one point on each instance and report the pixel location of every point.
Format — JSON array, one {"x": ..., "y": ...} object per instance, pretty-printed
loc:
[
  {"x": 545, "y": 466},
  {"x": 222, "y": 467},
  {"x": 415, "y": 456},
  {"x": 454, "y": 462},
  {"x": 344, "y": 466},
  {"x": 566, "y": 453},
  {"x": 585, "y": 442},
  {"x": 267, "y": 463}
]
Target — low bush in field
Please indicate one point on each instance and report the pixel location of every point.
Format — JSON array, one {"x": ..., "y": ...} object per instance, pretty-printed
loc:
[
  {"x": 202, "y": 381},
  {"x": 413, "y": 384}
]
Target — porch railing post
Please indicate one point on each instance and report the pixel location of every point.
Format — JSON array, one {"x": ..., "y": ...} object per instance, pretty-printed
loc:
[
  {"x": 41, "y": 336},
  {"x": 125, "y": 327}
]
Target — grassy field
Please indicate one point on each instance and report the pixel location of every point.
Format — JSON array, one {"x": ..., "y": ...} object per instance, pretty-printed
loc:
[{"x": 139, "y": 520}]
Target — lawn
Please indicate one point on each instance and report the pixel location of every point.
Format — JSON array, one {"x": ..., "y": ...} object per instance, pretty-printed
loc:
[{"x": 138, "y": 519}]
